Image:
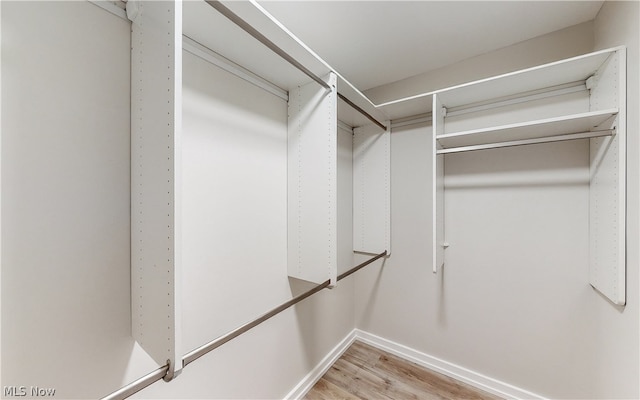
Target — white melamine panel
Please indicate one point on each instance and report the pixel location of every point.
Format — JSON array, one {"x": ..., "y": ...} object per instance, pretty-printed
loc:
[
  {"x": 606, "y": 261},
  {"x": 607, "y": 207},
  {"x": 544, "y": 76},
  {"x": 619, "y": 328},
  {"x": 575, "y": 123},
  {"x": 437, "y": 187},
  {"x": 312, "y": 159},
  {"x": 156, "y": 62},
  {"x": 372, "y": 189}
]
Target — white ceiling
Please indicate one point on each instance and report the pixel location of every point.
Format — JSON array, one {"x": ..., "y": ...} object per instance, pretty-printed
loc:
[{"x": 372, "y": 43}]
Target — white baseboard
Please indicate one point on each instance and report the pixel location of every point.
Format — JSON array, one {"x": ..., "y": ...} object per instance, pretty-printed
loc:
[
  {"x": 314, "y": 376},
  {"x": 462, "y": 374}
]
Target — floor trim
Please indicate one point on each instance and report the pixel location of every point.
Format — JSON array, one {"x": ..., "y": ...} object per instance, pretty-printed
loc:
[
  {"x": 314, "y": 376},
  {"x": 462, "y": 374}
]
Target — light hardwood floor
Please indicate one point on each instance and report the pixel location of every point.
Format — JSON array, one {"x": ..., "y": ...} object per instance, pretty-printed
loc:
[{"x": 365, "y": 372}]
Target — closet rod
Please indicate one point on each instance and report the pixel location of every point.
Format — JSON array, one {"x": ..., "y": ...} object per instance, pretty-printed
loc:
[
  {"x": 188, "y": 358},
  {"x": 264, "y": 40},
  {"x": 361, "y": 111},
  {"x": 199, "y": 352},
  {"x": 549, "y": 139}
]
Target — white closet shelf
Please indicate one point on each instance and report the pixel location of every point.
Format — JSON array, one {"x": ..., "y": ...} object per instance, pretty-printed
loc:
[
  {"x": 207, "y": 27},
  {"x": 548, "y": 75},
  {"x": 543, "y": 128},
  {"x": 408, "y": 107},
  {"x": 576, "y": 69}
]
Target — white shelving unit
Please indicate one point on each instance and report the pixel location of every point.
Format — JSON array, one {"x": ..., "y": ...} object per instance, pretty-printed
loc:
[
  {"x": 241, "y": 39},
  {"x": 602, "y": 120}
]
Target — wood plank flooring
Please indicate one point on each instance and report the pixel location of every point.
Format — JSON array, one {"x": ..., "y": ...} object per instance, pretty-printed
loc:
[{"x": 365, "y": 372}]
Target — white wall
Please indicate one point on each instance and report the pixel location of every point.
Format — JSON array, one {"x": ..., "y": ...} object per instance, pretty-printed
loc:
[
  {"x": 65, "y": 200},
  {"x": 513, "y": 302}
]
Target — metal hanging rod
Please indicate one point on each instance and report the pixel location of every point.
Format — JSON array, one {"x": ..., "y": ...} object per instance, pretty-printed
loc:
[
  {"x": 193, "y": 355},
  {"x": 136, "y": 386},
  {"x": 264, "y": 40},
  {"x": 362, "y": 265},
  {"x": 549, "y": 139},
  {"x": 214, "y": 344},
  {"x": 361, "y": 111},
  {"x": 273, "y": 47}
]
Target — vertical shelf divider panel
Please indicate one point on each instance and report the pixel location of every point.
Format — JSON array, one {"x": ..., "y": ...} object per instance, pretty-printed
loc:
[
  {"x": 372, "y": 189},
  {"x": 312, "y": 182},
  {"x": 156, "y": 104},
  {"x": 607, "y": 190},
  {"x": 437, "y": 186}
]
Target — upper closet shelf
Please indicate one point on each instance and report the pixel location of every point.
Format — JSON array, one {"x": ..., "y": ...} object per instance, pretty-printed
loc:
[
  {"x": 205, "y": 23},
  {"x": 207, "y": 26},
  {"x": 544, "y": 128},
  {"x": 408, "y": 107},
  {"x": 574, "y": 69}
]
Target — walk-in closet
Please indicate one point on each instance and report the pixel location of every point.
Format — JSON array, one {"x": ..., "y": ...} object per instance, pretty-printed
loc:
[{"x": 319, "y": 199}]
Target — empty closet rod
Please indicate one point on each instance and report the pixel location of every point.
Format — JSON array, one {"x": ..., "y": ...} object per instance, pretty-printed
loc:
[
  {"x": 188, "y": 358},
  {"x": 264, "y": 40},
  {"x": 561, "y": 138},
  {"x": 361, "y": 111},
  {"x": 199, "y": 352}
]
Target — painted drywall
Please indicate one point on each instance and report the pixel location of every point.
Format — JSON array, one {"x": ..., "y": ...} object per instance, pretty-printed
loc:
[
  {"x": 513, "y": 302},
  {"x": 234, "y": 143},
  {"x": 65, "y": 200}
]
